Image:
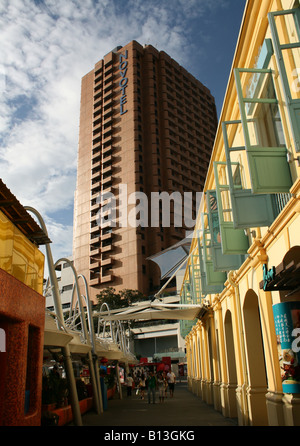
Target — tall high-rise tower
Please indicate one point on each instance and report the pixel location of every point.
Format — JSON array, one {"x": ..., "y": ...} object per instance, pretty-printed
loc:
[{"x": 147, "y": 126}]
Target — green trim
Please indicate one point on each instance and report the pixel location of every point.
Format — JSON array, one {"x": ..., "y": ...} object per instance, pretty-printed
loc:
[
  {"x": 269, "y": 169},
  {"x": 292, "y": 104},
  {"x": 248, "y": 210}
]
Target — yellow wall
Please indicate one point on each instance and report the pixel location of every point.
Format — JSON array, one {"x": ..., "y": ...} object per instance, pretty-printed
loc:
[
  {"x": 232, "y": 351},
  {"x": 19, "y": 257}
]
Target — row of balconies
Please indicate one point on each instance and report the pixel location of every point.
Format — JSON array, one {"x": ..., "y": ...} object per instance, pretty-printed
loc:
[
  {"x": 196, "y": 135},
  {"x": 182, "y": 83},
  {"x": 102, "y": 169},
  {"x": 204, "y": 119},
  {"x": 100, "y": 259}
]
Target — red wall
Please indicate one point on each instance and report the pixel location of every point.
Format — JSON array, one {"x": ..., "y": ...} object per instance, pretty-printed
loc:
[{"x": 22, "y": 316}]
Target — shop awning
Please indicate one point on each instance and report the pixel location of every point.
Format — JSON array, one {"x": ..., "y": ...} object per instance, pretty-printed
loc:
[
  {"x": 170, "y": 259},
  {"x": 153, "y": 311}
]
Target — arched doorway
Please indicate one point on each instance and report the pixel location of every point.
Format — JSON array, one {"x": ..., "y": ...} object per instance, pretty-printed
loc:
[
  {"x": 257, "y": 379},
  {"x": 230, "y": 408}
]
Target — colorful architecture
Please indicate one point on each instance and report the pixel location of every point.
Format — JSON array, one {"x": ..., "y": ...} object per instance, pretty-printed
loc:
[
  {"x": 243, "y": 267},
  {"x": 22, "y": 313}
]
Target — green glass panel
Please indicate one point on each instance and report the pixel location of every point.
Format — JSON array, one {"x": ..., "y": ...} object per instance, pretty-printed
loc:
[
  {"x": 248, "y": 210},
  {"x": 214, "y": 277},
  {"x": 186, "y": 298},
  {"x": 212, "y": 282},
  {"x": 252, "y": 211},
  {"x": 221, "y": 261},
  {"x": 270, "y": 172},
  {"x": 263, "y": 132},
  {"x": 196, "y": 280},
  {"x": 287, "y": 51},
  {"x": 234, "y": 241}
]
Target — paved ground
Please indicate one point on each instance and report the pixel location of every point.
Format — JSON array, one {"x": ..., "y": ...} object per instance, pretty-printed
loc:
[{"x": 184, "y": 409}]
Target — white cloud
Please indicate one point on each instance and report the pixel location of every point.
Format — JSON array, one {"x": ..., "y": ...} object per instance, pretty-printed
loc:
[{"x": 46, "y": 47}]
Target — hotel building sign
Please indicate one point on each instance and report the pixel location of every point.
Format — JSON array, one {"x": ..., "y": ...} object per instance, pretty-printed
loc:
[{"x": 123, "y": 66}]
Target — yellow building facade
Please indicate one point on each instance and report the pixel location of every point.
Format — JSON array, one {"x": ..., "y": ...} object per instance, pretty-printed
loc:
[
  {"x": 243, "y": 268},
  {"x": 19, "y": 256}
]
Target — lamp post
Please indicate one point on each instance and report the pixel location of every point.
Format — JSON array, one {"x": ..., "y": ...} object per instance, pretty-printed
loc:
[{"x": 60, "y": 323}]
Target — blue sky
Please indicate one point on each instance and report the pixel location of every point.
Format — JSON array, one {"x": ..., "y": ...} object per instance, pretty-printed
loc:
[{"x": 48, "y": 45}]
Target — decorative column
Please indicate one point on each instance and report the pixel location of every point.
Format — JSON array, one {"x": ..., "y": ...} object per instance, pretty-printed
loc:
[
  {"x": 224, "y": 379},
  {"x": 207, "y": 381},
  {"x": 189, "y": 361},
  {"x": 215, "y": 374},
  {"x": 240, "y": 355},
  {"x": 198, "y": 346}
]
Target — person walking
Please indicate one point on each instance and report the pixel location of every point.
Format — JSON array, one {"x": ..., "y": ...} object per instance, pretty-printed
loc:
[
  {"x": 171, "y": 381},
  {"x": 161, "y": 381},
  {"x": 152, "y": 385},
  {"x": 142, "y": 386},
  {"x": 129, "y": 383},
  {"x": 166, "y": 383}
]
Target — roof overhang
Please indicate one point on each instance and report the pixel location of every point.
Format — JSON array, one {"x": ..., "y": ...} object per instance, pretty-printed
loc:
[
  {"x": 154, "y": 311},
  {"x": 18, "y": 215},
  {"x": 171, "y": 258}
]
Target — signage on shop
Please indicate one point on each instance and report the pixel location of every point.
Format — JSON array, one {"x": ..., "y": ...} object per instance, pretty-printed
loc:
[
  {"x": 287, "y": 327},
  {"x": 268, "y": 276},
  {"x": 123, "y": 67}
]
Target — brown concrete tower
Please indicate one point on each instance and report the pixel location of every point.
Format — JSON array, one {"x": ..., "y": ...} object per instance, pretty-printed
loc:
[{"x": 146, "y": 125}]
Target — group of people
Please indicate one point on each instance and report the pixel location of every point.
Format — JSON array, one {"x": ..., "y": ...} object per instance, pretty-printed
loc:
[{"x": 152, "y": 382}]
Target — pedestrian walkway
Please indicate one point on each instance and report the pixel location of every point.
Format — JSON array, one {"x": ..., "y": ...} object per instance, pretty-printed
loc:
[{"x": 184, "y": 409}]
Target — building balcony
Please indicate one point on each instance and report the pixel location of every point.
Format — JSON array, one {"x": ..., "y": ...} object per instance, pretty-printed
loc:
[
  {"x": 98, "y": 106},
  {"x": 94, "y": 252},
  {"x": 107, "y": 236},
  {"x": 97, "y": 96},
  {"x": 96, "y": 165},
  {"x": 95, "y": 239},
  {"x": 97, "y": 141},
  {"x": 95, "y": 230},
  {"x": 106, "y": 150},
  {"x": 95, "y": 186},
  {"x": 94, "y": 265},
  {"x": 96, "y": 156},
  {"x": 108, "y": 278},
  {"x": 97, "y": 125},
  {"x": 106, "y": 168},
  {"x": 106, "y": 262},
  {"x": 96, "y": 175},
  {"x": 107, "y": 157},
  {"x": 107, "y": 187},
  {"x": 95, "y": 281},
  {"x": 106, "y": 248},
  {"x": 106, "y": 178},
  {"x": 94, "y": 206}
]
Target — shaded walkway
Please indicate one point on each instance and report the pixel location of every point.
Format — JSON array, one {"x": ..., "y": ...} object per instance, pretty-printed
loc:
[{"x": 185, "y": 409}]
